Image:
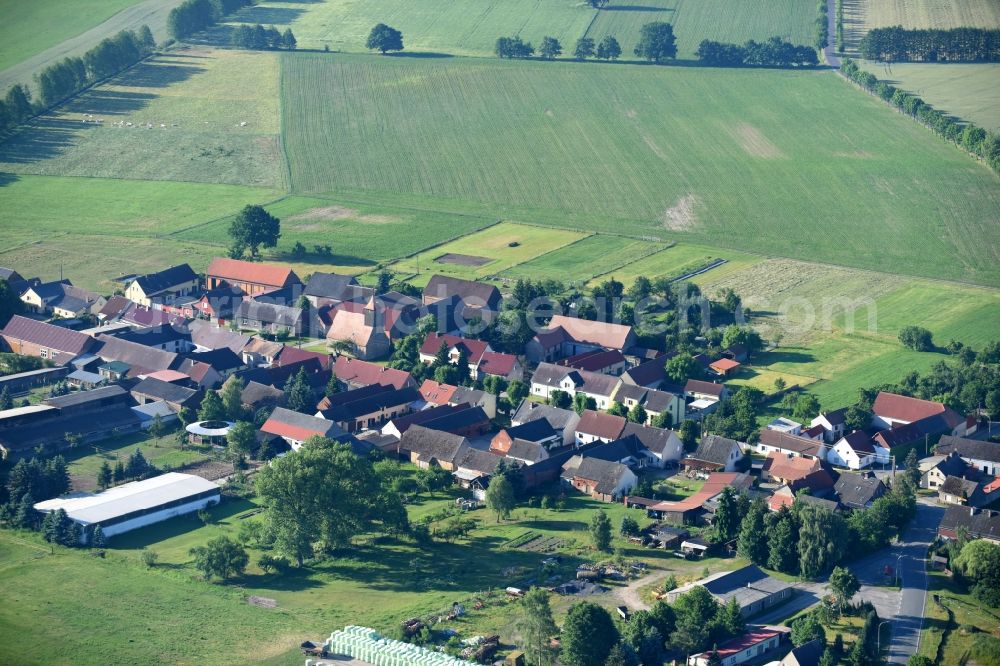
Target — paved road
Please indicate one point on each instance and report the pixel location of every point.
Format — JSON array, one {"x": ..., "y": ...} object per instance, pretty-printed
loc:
[
  {"x": 830, "y": 52},
  {"x": 903, "y": 609},
  {"x": 149, "y": 12}
]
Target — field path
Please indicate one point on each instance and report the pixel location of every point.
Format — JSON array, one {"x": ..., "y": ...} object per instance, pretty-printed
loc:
[
  {"x": 150, "y": 12},
  {"x": 830, "y": 52}
]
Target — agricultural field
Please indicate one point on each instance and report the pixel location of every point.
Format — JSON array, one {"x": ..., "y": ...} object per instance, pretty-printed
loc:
[
  {"x": 728, "y": 158},
  {"x": 970, "y": 91},
  {"x": 190, "y": 115},
  {"x": 70, "y": 596},
  {"x": 94, "y": 229},
  {"x": 696, "y": 20},
  {"x": 928, "y": 13},
  {"x": 587, "y": 258},
  {"x": 488, "y": 252},
  {"x": 674, "y": 262},
  {"x": 361, "y": 235}
]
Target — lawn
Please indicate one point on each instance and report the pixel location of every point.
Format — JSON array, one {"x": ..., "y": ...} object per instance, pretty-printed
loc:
[
  {"x": 362, "y": 235},
  {"x": 31, "y": 27},
  {"x": 719, "y": 20},
  {"x": 725, "y": 158},
  {"x": 943, "y": 638},
  {"x": 673, "y": 262},
  {"x": 970, "y": 91},
  {"x": 196, "y": 115},
  {"x": 501, "y": 246},
  {"x": 70, "y": 597},
  {"x": 79, "y": 226},
  {"x": 587, "y": 258}
]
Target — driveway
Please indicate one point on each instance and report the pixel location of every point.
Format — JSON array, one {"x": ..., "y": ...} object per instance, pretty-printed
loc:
[{"x": 830, "y": 52}]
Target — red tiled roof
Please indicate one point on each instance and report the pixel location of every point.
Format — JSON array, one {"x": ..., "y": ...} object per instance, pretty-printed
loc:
[
  {"x": 475, "y": 348},
  {"x": 437, "y": 393},
  {"x": 781, "y": 498},
  {"x": 724, "y": 364},
  {"x": 716, "y": 482},
  {"x": 903, "y": 408},
  {"x": 594, "y": 361},
  {"x": 603, "y": 334},
  {"x": 741, "y": 643},
  {"x": 234, "y": 270},
  {"x": 790, "y": 469},
  {"x": 495, "y": 363},
  {"x": 351, "y": 370},
  {"x": 46, "y": 335},
  {"x": 291, "y": 354},
  {"x": 601, "y": 424}
]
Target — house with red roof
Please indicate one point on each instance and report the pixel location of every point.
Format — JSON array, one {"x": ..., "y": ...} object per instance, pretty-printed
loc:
[
  {"x": 295, "y": 427},
  {"x": 796, "y": 472},
  {"x": 355, "y": 373},
  {"x": 724, "y": 367},
  {"x": 598, "y": 426},
  {"x": 751, "y": 646},
  {"x": 857, "y": 451},
  {"x": 34, "y": 338},
  {"x": 251, "y": 277},
  {"x": 891, "y": 410},
  {"x": 362, "y": 326},
  {"x": 570, "y": 336}
]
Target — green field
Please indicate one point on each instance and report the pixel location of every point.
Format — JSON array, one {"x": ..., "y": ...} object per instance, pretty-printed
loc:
[
  {"x": 94, "y": 229},
  {"x": 738, "y": 159},
  {"x": 114, "y": 609},
  {"x": 31, "y": 27},
  {"x": 969, "y": 91},
  {"x": 196, "y": 115},
  {"x": 587, "y": 258},
  {"x": 504, "y": 245}
]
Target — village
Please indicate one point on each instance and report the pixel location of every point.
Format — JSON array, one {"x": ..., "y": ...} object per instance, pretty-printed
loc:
[{"x": 251, "y": 364}]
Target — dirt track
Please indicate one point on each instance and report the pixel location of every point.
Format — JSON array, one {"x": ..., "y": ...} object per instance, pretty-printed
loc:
[{"x": 150, "y": 12}]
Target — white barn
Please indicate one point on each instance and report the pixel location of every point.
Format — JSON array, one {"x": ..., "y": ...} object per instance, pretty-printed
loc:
[{"x": 137, "y": 504}]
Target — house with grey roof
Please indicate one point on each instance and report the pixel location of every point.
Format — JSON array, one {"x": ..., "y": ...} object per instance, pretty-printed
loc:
[
  {"x": 35, "y": 338},
  {"x": 753, "y": 590},
  {"x": 549, "y": 378},
  {"x": 856, "y": 491},
  {"x": 563, "y": 421},
  {"x": 601, "y": 479},
  {"x": 62, "y": 299},
  {"x": 984, "y": 455},
  {"x": 665, "y": 445},
  {"x": 426, "y": 447},
  {"x": 164, "y": 287},
  {"x": 715, "y": 454}
]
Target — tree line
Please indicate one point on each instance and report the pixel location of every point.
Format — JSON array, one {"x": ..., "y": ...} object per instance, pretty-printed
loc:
[
  {"x": 70, "y": 75},
  {"x": 194, "y": 16},
  {"x": 656, "y": 44},
  {"x": 775, "y": 52},
  {"x": 897, "y": 44},
  {"x": 259, "y": 38},
  {"x": 822, "y": 25},
  {"x": 976, "y": 140}
]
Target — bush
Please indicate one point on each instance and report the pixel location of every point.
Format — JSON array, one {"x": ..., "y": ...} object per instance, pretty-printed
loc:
[
  {"x": 149, "y": 557},
  {"x": 916, "y": 338},
  {"x": 986, "y": 650}
]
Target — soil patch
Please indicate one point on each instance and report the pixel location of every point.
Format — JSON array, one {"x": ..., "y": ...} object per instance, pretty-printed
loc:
[
  {"x": 334, "y": 213},
  {"x": 263, "y": 602},
  {"x": 462, "y": 259},
  {"x": 681, "y": 216}
]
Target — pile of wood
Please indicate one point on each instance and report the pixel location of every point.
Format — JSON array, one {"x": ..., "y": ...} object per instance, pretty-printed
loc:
[
  {"x": 412, "y": 626},
  {"x": 484, "y": 651}
]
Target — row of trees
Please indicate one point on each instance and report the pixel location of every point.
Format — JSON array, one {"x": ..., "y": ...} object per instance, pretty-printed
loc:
[
  {"x": 822, "y": 25},
  {"x": 136, "y": 467},
  {"x": 607, "y": 49},
  {"x": 259, "y": 38},
  {"x": 808, "y": 540},
  {"x": 976, "y": 140},
  {"x": 15, "y": 108},
  {"x": 897, "y": 44},
  {"x": 193, "y": 16},
  {"x": 71, "y": 75},
  {"x": 656, "y": 44},
  {"x": 775, "y": 52}
]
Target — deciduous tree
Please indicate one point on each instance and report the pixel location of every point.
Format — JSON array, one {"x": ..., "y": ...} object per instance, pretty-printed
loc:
[
  {"x": 254, "y": 228},
  {"x": 657, "y": 42},
  {"x": 382, "y": 38},
  {"x": 587, "y": 636}
]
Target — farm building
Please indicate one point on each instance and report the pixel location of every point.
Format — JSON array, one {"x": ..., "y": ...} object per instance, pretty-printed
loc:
[
  {"x": 753, "y": 589},
  {"x": 252, "y": 278},
  {"x": 137, "y": 504},
  {"x": 749, "y": 646}
]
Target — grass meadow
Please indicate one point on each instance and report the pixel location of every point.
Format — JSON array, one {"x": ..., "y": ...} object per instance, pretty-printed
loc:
[
  {"x": 587, "y": 258},
  {"x": 730, "y": 158},
  {"x": 29, "y": 28},
  {"x": 196, "y": 115},
  {"x": 66, "y": 600}
]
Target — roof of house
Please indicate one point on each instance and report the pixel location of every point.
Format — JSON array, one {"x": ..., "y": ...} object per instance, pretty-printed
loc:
[
  {"x": 536, "y": 430},
  {"x": 156, "y": 283},
  {"x": 979, "y": 523},
  {"x": 706, "y": 388},
  {"x": 654, "y": 439},
  {"x": 741, "y": 643},
  {"x": 344, "y": 397},
  {"x": 206, "y": 334},
  {"x": 234, "y": 270},
  {"x": 856, "y": 490},
  {"x": 141, "y": 358},
  {"x": 431, "y": 444},
  {"x": 459, "y": 419},
  {"x": 474, "y": 348},
  {"x": 822, "y": 502},
  {"x": 328, "y": 285},
  {"x": 147, "y": 317},
  {"x": 162, "y": 390},
  {"x": 730, "y": 583},
  {"x": 497, "y": 363},
  {"x": 903, "y": 408},
  {"x": 594, "y": 383},
  {"x": 289, "y": 354},
  {"x": 256, "y": 394},
  {"x": 859, "y": 441},
  {"x": 724, "y": 364},
  {"x": 46, "y": 335},
  {"x": 836, "y": 417},
  {"x": 97, "y": 395},
  {"x": 114, "y": 307},
  {"x": 600, "y": 424},
  {"x": 559, "y": 418},
  {"x": 650, "y": 373},
  {"x": 300, "y": 427},
  {"x": 715, "y": 449},
  {"x": 404, "y": 422},
  {"x": 716, "y": 482},
  {"x": 437, "y": 393},
  {"x": 797, "y": 471},
  {"x": 353, "y": 371},
  {"x": 269, "y": 313},
  {"x": 594, "y": 361},
  {"x": 601, "y": 334},
  {"x": 972, "y": 449},
  {"x": 483, "y": 295},
  {"x": 794, "y": 443},
  {"x": 221, "y": 359},
  {"x": 262, "y": 347},
  {"x": 531, "y": 452},
  {"x": 119, "y": 501},
  {"x": 605, "y": 474},
  {"x": 956, "y": 485},
  {"x": 350, "y": 410},
  {"x": 483, "y": 462}
]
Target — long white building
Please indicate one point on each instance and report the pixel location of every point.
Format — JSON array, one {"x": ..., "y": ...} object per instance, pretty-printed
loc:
[{"x": 137, "y": 504}]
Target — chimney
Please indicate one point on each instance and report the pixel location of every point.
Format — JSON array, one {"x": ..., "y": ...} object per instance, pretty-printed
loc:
[{"x": 973, "y": 510}]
